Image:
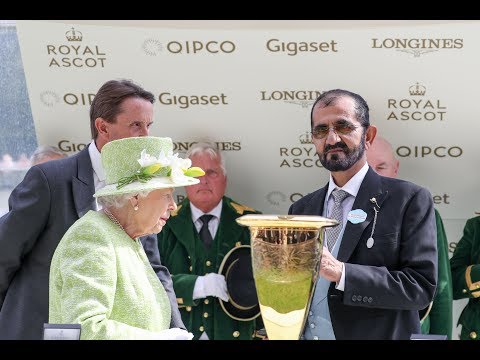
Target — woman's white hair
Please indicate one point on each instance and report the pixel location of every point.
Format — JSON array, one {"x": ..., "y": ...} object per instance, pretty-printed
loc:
[{"x": 119, "y": 201}]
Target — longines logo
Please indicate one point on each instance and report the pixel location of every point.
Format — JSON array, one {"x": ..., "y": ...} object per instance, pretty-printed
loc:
[
  {"x": 429, "y": 151},
  {"x": 49, "y": 98},
  {"x": 303, "y": 155},
  {"x": 303, "y": 98},
  {"x": 186, "y": 101},
  {"x": 417, "y": 107},
  {"x": 293, "y": 48},
  {"x": 183, "y": 147},
  {"x": 74, "y": 54},
  {"x": 277, "y": 198},
  {"x": 154, "y": 47},
  {"x": 417, "y": 46}
]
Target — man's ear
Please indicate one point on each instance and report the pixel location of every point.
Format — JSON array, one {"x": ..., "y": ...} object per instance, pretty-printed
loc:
[
  {"x": 102, "y": 126},
  {"x": 370, "y": 134}
]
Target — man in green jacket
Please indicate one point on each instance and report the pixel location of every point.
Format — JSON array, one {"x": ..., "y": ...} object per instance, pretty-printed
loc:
[
  {"x": 381, "y": 158},
  {"x": 194, "y": 263},
  {"x": 465, "y": 263}
]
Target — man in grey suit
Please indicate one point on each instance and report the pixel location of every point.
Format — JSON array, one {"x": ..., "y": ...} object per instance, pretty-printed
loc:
[
  {"x": 379, "y": 265},
  {"x": 51, "y": 197}
]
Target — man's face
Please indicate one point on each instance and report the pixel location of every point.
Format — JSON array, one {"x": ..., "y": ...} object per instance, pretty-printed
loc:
[
  {"x": 134, "y": 119},
  {"x": 380, "y": 158},
  {"x": 208, "y": 193},
  {"x": 337, "y": 151}
]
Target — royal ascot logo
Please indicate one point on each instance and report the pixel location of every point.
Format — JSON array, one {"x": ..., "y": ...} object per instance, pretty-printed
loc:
[
  {"x": 301, "y": 156},
  {"x": 417, "y": 46},
  {"x": 303, "y": 98},
  {"x": 74, "y": 53},
  {"x": 416, "y": 107},
  {"x": 294, "y": 48},
  {"x": 188, "y": 101},
  {"x": 183, "y": 146},
  {"x": 49, "y": 98},
  {"x": 154, "y": 47}
]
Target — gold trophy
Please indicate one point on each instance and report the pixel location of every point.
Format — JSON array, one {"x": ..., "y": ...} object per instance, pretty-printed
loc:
[{"x": 286, "y": 252}]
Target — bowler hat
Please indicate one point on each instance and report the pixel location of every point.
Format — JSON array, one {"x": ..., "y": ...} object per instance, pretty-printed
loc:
[
  {"x": 242, "y": 301},
  {"x": 144, "y": 163}
]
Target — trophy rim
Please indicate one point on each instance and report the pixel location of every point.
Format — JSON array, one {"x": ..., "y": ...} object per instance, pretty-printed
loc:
[{"x": 287, "y": 221}]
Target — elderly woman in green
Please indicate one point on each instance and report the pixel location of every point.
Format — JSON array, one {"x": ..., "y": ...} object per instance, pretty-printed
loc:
[{"x": 100, "y": 276}]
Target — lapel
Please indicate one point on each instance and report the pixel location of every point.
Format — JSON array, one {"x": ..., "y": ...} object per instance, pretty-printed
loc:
[
  {"x": 371, "y": 187},
  {"x": 228, "y": 230},
  {"x": 183, "y": 228},
  {"x": 82, "y": 184}
]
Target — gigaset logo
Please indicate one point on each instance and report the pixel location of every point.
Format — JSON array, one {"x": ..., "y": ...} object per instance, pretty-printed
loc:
[
  {"x": 75, "y": 54},
  {"x": 292, "y": 48},
  {"x": 186, "y": 101},
  {"x": 68, "y": 146}
]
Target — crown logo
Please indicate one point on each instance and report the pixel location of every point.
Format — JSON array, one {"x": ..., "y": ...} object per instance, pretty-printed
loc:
[
  {"x": 305, "y": 138},
  {"x": 417, "y": 90},
  {"x": 73, "y": 35}
]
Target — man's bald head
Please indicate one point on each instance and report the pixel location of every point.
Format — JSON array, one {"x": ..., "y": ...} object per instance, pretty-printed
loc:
[{"x": 381, "y": 158}]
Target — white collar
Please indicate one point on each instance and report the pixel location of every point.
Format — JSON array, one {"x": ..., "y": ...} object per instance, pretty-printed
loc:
[
  {"x": 96, "y": 159},
  {"x": 196, "y": 212},
  {"x": 352, "y": 186}
]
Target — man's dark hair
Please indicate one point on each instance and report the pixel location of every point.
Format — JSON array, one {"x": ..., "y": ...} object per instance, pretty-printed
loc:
[
  {"x": 329, "y": 97},
  {"x": 108, "y": 100}
]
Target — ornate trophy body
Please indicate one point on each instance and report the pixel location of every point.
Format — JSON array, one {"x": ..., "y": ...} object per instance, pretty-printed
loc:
[{"x": 286, "y": 253}]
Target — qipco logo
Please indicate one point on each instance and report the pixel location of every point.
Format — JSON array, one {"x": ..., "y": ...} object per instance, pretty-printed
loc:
[{"x": 201, "y": 47}]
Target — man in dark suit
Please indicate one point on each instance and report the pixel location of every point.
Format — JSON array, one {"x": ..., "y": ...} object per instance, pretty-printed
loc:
[
  {"x": 380, "y": 265},
  {"x": 52, "y": 196}
]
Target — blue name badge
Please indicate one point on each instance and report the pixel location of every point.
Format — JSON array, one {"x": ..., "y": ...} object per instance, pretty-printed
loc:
[{"x": 357, "y": 216}]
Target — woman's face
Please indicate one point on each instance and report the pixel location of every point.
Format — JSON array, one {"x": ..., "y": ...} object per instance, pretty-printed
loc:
[{"x": 154, "y": 210}]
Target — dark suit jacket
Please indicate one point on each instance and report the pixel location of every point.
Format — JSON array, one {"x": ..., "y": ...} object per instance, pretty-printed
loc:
[
  {"x": 386, "y": 285},
  {"x": 51, "y": 197}
]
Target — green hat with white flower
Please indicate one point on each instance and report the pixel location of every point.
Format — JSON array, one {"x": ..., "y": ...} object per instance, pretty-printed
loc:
[{"x": 144, "y": 163}]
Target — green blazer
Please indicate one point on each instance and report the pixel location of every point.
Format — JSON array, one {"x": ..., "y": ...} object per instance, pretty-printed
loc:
[
  {"x": 101, "y": 279},
  {"x": 439, "y": 320},
  {"x": 465, "y": 264},
  {"x": 183, "y": 253}
]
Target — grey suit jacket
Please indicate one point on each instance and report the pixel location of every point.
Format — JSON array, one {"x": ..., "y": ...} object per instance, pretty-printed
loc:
[
  {"x": 51, "y": 197},
  {"x": 385, "y": 285}
]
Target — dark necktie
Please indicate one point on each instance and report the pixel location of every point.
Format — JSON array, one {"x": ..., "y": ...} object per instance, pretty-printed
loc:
[
  {"x": 337, "y": 214},
  {"x": 204, "y": 233}
]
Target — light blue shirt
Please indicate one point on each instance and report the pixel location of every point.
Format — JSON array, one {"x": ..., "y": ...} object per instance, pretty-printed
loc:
[{"x": 318, "y": 325}]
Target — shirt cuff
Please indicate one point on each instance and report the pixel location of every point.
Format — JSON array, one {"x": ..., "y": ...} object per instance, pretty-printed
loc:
[
  {"x": 198, "y": 289},
  {"x": 341, "y": 284}
]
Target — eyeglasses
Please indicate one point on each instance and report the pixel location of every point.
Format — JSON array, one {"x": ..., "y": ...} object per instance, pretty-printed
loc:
[{"x": 321, "y": 131}]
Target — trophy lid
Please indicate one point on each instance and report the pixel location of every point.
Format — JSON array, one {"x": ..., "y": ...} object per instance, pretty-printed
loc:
[{"x": 287, "y": 221}]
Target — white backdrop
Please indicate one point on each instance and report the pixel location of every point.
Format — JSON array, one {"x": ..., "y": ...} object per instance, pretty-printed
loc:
[{"x": 251, "y": 92}]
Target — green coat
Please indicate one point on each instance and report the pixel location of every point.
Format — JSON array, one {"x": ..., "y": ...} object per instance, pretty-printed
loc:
[
  {"x": 439, "y": 320},
  {"x": 465, "y": 264},
  {"x": 183, "y": 253}
]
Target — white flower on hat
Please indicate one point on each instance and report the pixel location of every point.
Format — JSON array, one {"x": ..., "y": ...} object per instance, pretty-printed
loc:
[{"x": 169, "y": 164}]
